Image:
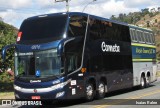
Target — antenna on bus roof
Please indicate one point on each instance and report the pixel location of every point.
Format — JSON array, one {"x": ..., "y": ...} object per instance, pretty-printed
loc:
[
  {"x": 67, "y": 3},
  {"x": 88, "y": 4}
]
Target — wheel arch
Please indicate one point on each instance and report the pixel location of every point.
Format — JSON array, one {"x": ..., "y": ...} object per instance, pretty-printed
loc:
[
  {"x": 148, "y": 73},
  {"x": 104, "y": 79},
  {"x": 93, "y": 81},
  {"x": 142, "y": 74}
]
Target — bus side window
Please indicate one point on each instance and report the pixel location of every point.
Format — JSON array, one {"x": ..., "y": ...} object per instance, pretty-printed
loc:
[
  {"x": 71, "y": 63},
  {"x": 153, "y": 38},
  {"x": 77, "y": 26},
  {"x": 149, "y": 38},
  {"x": 135, "y": 36},
  {"x": 146, "y": 37},
  {"x": 131, "y": 34},
  {"x": 138, "y": 36},
  {"x": 143, "y": 38}
]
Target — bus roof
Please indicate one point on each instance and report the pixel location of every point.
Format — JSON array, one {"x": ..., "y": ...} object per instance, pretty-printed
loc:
[
  {"x": 97, "y": 17},
  {"x": 137, "y": 27}
]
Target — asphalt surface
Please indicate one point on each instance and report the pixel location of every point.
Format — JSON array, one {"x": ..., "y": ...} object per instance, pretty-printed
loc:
[{"x": 128, "y": 98}]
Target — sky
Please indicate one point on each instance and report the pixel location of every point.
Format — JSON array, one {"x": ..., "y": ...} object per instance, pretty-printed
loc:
[{"x": 15, "y": 11}]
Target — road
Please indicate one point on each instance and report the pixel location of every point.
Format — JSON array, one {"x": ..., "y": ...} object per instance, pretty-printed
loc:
[
  {"x": 127, "y": 98},
  {"x": 124, "y": 98}
]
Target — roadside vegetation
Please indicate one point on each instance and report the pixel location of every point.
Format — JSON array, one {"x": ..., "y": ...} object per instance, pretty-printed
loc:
[
  {"x": 7, "y": 36},
  {"x": 7, "y": 95}
]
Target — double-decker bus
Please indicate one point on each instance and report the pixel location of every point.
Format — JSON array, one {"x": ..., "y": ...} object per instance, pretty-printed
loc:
[{"x": 73, "y": 55}]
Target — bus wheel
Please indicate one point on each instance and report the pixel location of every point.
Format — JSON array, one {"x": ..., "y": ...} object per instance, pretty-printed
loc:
[
  {"x": 89, "y": 92},
  {"x": 148, "y": 79},
  {"x": 142, "y": 83},
  {"x": 101, "y": 90}
]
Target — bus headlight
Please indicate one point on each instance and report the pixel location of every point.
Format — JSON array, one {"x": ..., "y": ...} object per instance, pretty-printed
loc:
[{"x": 17, "y": 88}]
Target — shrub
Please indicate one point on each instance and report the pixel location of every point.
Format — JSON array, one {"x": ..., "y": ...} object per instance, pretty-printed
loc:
[{"x": 6, "y": 81}]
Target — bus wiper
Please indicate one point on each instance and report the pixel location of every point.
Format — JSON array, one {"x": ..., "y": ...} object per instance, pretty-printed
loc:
[{"x": 57, "y": 76}]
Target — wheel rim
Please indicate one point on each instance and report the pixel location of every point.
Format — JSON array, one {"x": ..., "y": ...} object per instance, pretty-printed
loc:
[
  {"x": 142, "y": 82},
  {"x": 101, "y": 88},
  {"x": 89, "y": 90}
]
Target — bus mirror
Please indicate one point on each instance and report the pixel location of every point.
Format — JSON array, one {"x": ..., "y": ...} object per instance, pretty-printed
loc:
[{"x": 4, "y": 50}]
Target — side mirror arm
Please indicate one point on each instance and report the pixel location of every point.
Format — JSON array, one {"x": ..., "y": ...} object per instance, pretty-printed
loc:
[{"x": 4, "y": 50}]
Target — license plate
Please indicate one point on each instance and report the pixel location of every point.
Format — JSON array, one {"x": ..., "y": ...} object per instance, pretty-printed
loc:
[{"x": 36, "y": 97}]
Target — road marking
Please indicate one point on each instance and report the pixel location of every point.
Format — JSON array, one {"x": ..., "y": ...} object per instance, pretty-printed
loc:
[{"x": 126, "y": 99}]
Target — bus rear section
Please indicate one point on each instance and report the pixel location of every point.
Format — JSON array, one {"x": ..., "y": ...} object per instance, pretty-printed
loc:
[{"x": 144, "y": 56}]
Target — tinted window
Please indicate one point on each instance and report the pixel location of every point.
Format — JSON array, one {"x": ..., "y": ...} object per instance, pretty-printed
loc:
[
  {"x": 73, "y": 54},
  {"x": 139, "y": 35},
  {"x": 148, "y": 37},
  {"x": 43, "y": 29},
  {"x": 100, "y": 29},
  {"x": 77, "y": 26},
  {"x": 131, "y": 33},
  {"x": 142, "y": 36},
  {"x": 134, "y": 35},
  {"x": 152, "y": 36}
]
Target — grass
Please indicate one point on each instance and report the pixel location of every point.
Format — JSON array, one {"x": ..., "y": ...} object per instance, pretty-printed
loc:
[{"x": 7, "y": 95}]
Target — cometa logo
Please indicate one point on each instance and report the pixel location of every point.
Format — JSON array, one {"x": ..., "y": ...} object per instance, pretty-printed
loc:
[{"x": 110, "y": 48}]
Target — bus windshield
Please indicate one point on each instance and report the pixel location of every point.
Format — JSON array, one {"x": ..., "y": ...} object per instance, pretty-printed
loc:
[
  {"x": 47, "y": 63},
  {"x": 42, "y": 29}
]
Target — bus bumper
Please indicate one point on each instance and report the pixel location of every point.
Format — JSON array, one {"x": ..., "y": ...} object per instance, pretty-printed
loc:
[
  {"x": 41, "y": 91},
  {"x": 58, "y": 94}
]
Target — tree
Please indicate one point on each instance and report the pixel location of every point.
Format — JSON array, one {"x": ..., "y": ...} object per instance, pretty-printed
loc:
[
  {"x": 121, "y": 16},
  {"x": 156, "y": 21},
  {"x": 148, "y": 24},
  {"x": 158, "y": 9},
  {"x": 7, "y": 36},
  {"x": 113, "y": 17},
  {"x": 145, "y": 11}
]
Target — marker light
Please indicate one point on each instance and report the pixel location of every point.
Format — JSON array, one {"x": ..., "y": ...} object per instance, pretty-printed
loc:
[
  {"x": 19, "y": 36},
  {"x": 83, "y": 70}
]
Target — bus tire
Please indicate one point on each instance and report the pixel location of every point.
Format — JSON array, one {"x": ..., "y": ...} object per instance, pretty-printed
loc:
[
  {"x": 142, "y": 82},
  {"x": 89, "y": 93},
  {"x": 148, "y": 80},
  {"x": 101, "y": 90}
]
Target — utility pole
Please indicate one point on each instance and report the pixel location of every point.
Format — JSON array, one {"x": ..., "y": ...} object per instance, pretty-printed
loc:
[{"x": 67, "y": 3}]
